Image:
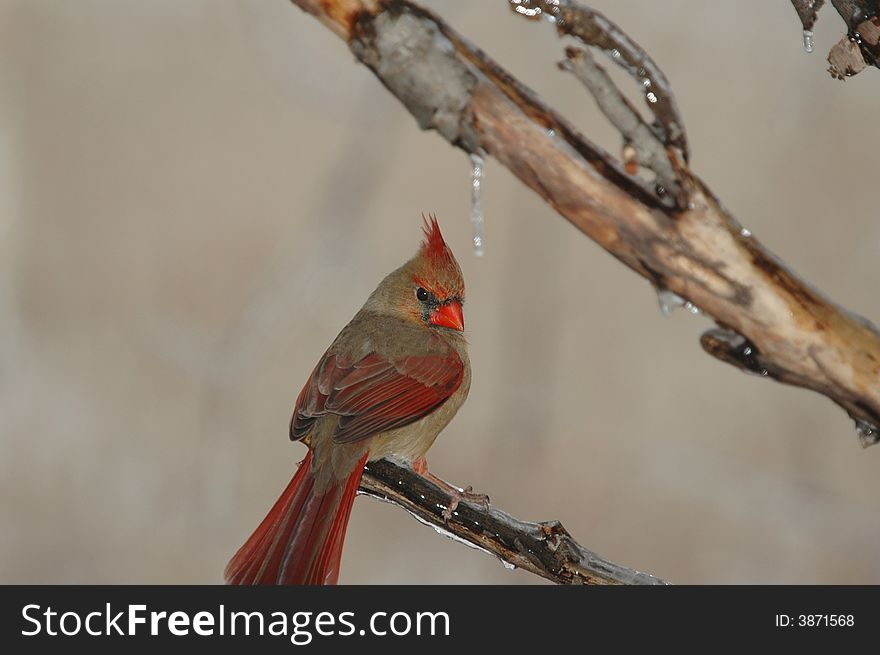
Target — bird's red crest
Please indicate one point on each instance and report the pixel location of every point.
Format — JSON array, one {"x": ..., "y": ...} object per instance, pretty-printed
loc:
[
  {"x": 435, "y": 267},
  {"x": 433, "y": 247}
]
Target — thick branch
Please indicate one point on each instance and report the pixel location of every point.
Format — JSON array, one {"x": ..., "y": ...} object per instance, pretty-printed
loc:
[
  {"x": 697, "y": 251},
  {"x": 545, "y": 549}
]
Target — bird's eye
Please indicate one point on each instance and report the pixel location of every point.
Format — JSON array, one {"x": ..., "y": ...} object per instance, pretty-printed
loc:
[{"x": 422, "y": 294}]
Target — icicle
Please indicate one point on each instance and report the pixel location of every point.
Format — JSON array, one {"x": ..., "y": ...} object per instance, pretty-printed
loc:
[
  {"x": 808, "y": 40},
  {"x": 476, "y": 203}
]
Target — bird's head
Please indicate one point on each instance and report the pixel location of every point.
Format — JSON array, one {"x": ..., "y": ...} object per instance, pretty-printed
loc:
[{"x": 429, "y": 288}]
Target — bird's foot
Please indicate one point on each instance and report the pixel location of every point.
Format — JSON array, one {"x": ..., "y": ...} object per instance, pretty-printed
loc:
[
  {"x": 456, "y": 494},
  {"x": 467, "y": 494}
]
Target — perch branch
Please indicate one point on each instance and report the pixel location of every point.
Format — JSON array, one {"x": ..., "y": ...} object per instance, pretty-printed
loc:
[
  {"x": 770, "y": 321},
  {"x": 545, "y": 549}
]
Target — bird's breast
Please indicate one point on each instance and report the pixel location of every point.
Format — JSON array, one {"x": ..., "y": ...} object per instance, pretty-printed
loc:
[{"x": 413, "y": 441}]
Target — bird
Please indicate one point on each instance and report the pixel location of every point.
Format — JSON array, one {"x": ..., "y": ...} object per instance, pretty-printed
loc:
[{"x": 390, "y": 382}]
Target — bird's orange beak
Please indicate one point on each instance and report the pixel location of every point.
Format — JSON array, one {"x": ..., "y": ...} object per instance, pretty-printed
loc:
[{"x": 449, "y": 315}]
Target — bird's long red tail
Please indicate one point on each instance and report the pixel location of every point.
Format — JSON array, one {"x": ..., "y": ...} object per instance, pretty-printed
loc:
[{"x": 300, "y": 540}]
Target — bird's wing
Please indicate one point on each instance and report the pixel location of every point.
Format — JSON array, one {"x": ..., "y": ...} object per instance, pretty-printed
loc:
[{"x": 375, "y": 394}]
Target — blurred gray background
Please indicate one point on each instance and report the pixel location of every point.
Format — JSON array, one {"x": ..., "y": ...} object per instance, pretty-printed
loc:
[{"x": 196, "y": 196}]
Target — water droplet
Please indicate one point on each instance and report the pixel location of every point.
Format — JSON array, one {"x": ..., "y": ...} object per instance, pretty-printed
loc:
[
  {"x": 646, "y": 83},
  {"x": 615, "y": 54},
  {"x": 524, "y": 8},
  {"x": 868, "y": 434},
  {"x": 858, "y": 14},
  {"x": 508, "y": 565},
  {"x": 808, "y": 41},
  {"x": 745, "y": 232},
  {"x": 476, "y": 203},
  {"x": 651, "y": 97},
  {"x": 668, "y": 301}
]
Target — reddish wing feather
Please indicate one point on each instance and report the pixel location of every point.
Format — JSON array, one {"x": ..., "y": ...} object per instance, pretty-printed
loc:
[{"x": 374, "y": 394}]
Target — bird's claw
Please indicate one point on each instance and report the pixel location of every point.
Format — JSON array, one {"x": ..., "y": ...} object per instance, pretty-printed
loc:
[
  {"x": 456, "y": 495},
  {"x": 467, "y": 494}
]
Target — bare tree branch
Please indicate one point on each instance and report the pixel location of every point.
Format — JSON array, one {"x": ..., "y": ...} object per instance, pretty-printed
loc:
[
  {"x": 808, "y": 12},
  {"x": 649, "y": 149},
  {"x": 695, "y": 250},
  {"x": 545, "y": 549},
  {"x": 593, "y": 29},
  {"x": 859, "y": 47}
]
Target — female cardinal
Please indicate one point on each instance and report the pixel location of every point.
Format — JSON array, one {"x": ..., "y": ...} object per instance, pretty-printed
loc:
[{"x": 389, "y": 383}]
